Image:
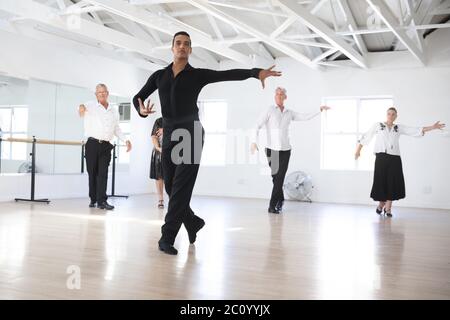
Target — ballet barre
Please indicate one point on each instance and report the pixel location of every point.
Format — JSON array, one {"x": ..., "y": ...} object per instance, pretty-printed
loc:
[
  {"x": 35, "y": 141},
  {"x": 113, "y": 176}
]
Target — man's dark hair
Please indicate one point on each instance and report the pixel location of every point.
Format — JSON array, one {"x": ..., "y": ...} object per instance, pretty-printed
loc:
[{"x": 182, "y": 33}]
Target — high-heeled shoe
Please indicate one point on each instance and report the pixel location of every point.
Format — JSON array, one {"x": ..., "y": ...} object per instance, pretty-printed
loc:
[
  {"x": 378, "y": 210},
  {"x": 388, "y": 213},
  {"x": 161, "y": 204}
]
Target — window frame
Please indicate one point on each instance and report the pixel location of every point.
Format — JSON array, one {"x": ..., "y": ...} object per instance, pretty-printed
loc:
[
  {"x": 357, "y": 134},
  {"x": 12, "y": 133}
]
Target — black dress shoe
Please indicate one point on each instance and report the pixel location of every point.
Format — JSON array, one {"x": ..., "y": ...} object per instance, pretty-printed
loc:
[
  {"x": 167, "y": 248},
  {"x": 388, "y": 213},
  {"x": 193, "y": 233},
  {"x": 105, "y": 205},
  {"x": 273, "y": 210},
  {"x": 92, "y": 204},
  {"x": 279, "y": 206}
]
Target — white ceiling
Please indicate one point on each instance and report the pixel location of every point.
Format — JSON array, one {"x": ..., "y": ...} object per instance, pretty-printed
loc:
[{"x": 314, "y": 32}]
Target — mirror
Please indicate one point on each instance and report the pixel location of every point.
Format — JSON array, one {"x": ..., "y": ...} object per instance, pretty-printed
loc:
[{"x": 49, "y": 111}]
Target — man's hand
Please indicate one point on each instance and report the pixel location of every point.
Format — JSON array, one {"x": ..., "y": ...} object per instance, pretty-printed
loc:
[
  {"x": 145, "y": 110},
  {"x": 324, "y": 108},
  {"x": 263, "y": 74},
  {"x": 438, "y": 125},
  {"x": 129, "y": 146},
  {"x": 253, "y": 148},
  {"x": 81, "y": 110}
]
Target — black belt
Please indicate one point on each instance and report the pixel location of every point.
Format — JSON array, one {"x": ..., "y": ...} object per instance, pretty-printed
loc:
[
  {"x": 179, "y": 120},
  {"x": 97, "y": 140}
]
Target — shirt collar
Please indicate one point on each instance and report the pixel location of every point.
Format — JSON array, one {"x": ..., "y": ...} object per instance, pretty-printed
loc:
[
  {"x": 103, "y": 108},
  {"x": 278, "y": 108},
  {"x": 186, "y": 67}
]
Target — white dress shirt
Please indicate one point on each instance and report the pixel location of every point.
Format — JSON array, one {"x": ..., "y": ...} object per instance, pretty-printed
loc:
[
  {"x": 101, "y": 123},
  {"x": 277, "y": 126},
  {"x": 387, "y": 140}
]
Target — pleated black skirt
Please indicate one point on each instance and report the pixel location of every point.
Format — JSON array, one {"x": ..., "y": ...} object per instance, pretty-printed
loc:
[
  {"x": 388, "y": 180},
  {"x": 156, "y": 166}
]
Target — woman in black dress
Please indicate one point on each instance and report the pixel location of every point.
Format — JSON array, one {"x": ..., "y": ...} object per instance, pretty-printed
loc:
[
  {"x": 156, "y": 164},
  {"x": 388, "y": 181}
]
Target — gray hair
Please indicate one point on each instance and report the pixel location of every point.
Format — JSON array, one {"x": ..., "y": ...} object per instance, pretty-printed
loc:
[
  {"x": 101, "y": 85},
  {"x": 282, "y": 89}
]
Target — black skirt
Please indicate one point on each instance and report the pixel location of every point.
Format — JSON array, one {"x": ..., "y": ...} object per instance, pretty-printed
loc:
[
  {"x": 388, "y": 180},
  {"x": 156, "y": 166}
]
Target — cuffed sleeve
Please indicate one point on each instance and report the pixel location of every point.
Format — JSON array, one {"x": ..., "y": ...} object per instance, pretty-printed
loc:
[
  {"x": 368, "y": 136},
  {"x": 149, "y": 87},
  {"x": 296, "y": 116},
  {"x": 410, "y": 131},
  {"x": 260, "y": 122},
  {"x": 119, "y": 134}
]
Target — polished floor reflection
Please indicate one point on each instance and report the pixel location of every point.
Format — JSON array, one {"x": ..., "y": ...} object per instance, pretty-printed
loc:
[{"x": 312, "y": 251}]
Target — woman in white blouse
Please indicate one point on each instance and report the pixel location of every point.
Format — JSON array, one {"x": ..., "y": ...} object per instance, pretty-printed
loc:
[{"x": 388, "y": 182}]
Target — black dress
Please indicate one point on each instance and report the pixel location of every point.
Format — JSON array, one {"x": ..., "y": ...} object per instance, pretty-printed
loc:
[
  {"x": 156, "y": 163},
  {"x": 388, "y": 179}
]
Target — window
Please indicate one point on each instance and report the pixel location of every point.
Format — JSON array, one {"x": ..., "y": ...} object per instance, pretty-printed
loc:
[
  {"x": 344, "y": 125},
  {"x": 121, "y": 150},
  {"x": 213, "y": 115},
  {"x": 14, "y": 123},
  {"x": 124, "y": 111}
]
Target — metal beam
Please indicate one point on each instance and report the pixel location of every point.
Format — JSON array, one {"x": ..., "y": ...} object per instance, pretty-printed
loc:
[
  {"x": 350, "y": 20},
  {"x": 286, "y": 24},
  {"x": 323, "y": 30},
  {"x": 168, "y": 25},
  {"x": 251, "y": 30},
  {"x": 324, "y": 55},
  {"x": 389, "y": 20},
  {"x": 351, "y": 33},
  {"x": 313, "y": 8},
  {"x": 75, "y": 24}
]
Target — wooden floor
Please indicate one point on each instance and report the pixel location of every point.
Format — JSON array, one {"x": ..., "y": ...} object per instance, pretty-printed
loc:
[{"x": 311, "y": 251}]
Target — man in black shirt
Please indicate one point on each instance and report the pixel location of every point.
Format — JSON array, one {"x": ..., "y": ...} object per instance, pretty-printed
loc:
[{"x": 179, "y": 85}]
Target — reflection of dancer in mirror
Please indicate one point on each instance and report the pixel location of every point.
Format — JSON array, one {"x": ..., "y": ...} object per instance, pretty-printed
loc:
[
  {"x": 179, "y": 85},
  {"x": 156, "y": 172},
  {"x": 101, "y": 124},
  {"x": 277, "y": 120},
  {"x": 388, "y": 181}
]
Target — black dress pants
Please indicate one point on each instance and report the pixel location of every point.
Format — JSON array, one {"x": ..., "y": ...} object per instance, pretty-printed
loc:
[
  {"x": 181, "y": 152},
  {"x": 98, "y": 157},
  {"x": 278, "y": 162}
]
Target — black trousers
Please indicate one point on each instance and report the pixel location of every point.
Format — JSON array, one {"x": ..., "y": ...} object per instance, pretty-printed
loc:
[
  {"x": 180, "y": 163},
  {"x": 98, "y": 157},
  {"x": 278, "y": 162}
]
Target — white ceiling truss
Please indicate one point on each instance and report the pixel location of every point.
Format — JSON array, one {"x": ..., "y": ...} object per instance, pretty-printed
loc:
[{"x": 315, "y": 33}]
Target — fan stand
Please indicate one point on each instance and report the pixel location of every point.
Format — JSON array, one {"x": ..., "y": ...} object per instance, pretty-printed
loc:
[{"x": 308, "y": 199}]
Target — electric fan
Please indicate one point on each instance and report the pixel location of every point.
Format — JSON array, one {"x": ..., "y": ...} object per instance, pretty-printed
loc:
[
  {"x": 25, "y": 167},
  {"x": 298, "y": 186}
]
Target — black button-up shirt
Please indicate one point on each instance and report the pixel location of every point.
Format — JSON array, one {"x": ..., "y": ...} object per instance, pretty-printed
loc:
[{"x": 178, "y": 95}]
